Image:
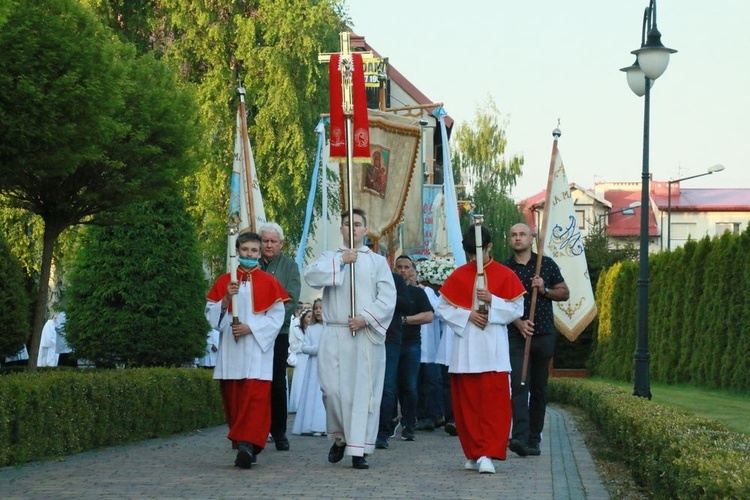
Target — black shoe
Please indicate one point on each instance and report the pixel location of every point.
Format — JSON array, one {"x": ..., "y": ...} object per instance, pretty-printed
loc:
[
  {"x": 256, "y": 452},
  {"x": 245, "y": 456},
  {"x": 407, "y": 434},
  {"x": 425, "y": 425},
  {"x": 359, "y": 463},
  {"x": 534, "y": 450},
  {"x": 336, "y": 453},
  {"x": 282, "y": 443},
  {"x": 518, "y": 447},
  {"x": 450, "y": 428},
  {"x": 439, "y": 422},
  {"x": 381, "y": 444}
]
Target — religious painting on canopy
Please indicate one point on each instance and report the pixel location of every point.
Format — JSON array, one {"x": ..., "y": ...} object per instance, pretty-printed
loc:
[
  {"x": 376, "y": 172},
  {"x": 384, "y": 183}
]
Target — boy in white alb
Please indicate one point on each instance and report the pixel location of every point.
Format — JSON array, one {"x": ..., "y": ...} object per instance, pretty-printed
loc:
[
  {"x": 244, "y": 365},
  {"x": 351, "y": 355}
]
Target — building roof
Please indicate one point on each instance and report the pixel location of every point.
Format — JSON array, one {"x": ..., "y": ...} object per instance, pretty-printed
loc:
[
  {"x": 704, "y": 199},
  {"x": 620, "y": 224},
  {"x": 358, "y": 41},
  {"x": 536, "y": 201}
]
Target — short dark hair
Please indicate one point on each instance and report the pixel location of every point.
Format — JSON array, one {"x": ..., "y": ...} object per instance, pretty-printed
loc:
[
  {"x": 356, "y": 211},
  {"x": 245, "y": 237},
  {"x": 470, "y": 243},
  {"x": 404, "y": 256}
]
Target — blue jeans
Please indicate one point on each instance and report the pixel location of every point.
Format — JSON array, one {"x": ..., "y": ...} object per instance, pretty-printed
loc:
[
  {"x": 430, "y": 404},
  {"x": 408, "y": 373},
  {"x": 388, "y": 403}
]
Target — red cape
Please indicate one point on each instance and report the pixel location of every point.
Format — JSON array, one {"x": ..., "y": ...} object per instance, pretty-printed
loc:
[
  {"x": 266, "y": 289},
  {"x": 460, "y": 287}
]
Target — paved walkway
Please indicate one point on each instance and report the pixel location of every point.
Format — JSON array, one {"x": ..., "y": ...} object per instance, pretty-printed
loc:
[{"x": 200, "y": 465}]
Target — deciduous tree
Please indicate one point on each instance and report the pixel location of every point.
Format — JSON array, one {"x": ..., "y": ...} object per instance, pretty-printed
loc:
[
  {"x": 272, "y": 46},
  {"x": 487, "y": 173},
  {"x": 88, "y": 127}
]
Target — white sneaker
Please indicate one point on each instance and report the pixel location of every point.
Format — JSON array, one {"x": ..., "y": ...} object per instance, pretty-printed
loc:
[
  {"x": 486, "y": 466},
  {"x": 471, "y": 465}
]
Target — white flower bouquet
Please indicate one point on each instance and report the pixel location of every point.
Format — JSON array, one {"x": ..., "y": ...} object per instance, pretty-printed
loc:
[{"x": 436, "y": 269}]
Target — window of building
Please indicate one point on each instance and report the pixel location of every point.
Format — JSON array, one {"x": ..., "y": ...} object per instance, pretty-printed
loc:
[
  {"x": 581, "y": 217},
  {"x": 723, "y": 227},
  {"x": 682, "y": 231}
]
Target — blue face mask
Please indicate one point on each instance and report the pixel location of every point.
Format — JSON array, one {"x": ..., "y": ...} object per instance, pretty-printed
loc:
[{"x": 247, "y": 262}]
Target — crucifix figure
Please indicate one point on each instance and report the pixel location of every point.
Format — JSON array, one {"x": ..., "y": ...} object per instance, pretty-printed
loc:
[{"x": 349, "y": 121}]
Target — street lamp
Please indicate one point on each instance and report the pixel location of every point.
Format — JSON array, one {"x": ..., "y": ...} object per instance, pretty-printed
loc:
[
  {"x": 629, "y": 210},
  {"x": 711, "y": 170},
  {"x": 651, "y": 61}
]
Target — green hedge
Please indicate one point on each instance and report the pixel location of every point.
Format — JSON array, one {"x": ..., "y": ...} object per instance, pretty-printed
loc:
[
  {"x": 698, "y": 316},
  {"x": 61, "y": 412},
  {"x": 672, "y": 453}
]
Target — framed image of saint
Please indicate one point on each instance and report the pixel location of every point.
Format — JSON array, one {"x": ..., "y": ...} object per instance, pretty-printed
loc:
[{"x": 375, "y": 179}]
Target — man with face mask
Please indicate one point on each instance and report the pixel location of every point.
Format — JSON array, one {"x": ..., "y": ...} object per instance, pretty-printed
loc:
[{"x": 245, "y": 358}]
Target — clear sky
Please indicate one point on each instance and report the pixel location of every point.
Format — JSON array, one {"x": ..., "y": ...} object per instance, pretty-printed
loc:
[{"x": 541, "y": 60}]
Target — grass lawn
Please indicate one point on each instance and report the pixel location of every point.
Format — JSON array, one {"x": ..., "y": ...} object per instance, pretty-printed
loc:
[{"x": 729, "y": 408}]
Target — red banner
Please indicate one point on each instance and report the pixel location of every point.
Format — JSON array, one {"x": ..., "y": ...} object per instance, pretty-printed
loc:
[{"x": 361, "y": 144}]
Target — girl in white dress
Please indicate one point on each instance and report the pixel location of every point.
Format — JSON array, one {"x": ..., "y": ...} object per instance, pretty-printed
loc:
[
  {"x": 296, "y": 339},
  {"x": 311, "y": 413}
]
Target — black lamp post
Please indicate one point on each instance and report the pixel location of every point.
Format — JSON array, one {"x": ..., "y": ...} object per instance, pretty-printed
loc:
[
  {"x": 711, "y": 170},
  {"x": 651, "y": 61}
]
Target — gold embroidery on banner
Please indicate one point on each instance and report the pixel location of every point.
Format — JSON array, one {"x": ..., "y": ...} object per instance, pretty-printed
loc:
[{"x": 569, "y": 309}]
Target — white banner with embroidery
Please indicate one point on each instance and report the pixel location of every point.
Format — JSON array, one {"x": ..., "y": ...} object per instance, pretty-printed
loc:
[{"x": 564, "y": 243}]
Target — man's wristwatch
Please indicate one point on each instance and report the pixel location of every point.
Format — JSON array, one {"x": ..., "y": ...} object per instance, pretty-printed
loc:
[
  {"x": 403, "y": 320},
  {"x": 546, "y": 291}
]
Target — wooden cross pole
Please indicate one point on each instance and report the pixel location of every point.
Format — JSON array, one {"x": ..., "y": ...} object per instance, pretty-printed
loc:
[{"x": 347, "y": 102}]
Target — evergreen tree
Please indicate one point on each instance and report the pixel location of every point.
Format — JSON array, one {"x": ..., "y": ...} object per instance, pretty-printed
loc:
[
  {"x": 657, "y": 305},
  {"x": 88, "y": 127},
  {"x": 136, "y": 292},
  {"x": 674, "y": 313},
  {"x": 738, "y": 376},
  {"x": 723, "y": 326},
  {"x": 14, "y": 300},
  {"x": 690, "y": 354},
  {"x": 599, "y": 256},
  {"x": 624, "y": 316},
  {"x": 602, "y": 341}
]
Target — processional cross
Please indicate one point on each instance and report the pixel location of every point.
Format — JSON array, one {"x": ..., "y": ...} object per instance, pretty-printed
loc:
[{"x": 347, "y": 71}]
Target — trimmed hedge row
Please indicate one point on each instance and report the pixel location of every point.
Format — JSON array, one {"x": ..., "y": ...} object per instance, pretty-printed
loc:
[
  {"x": 698, "y": 316},
  {"x": 55, "y": 413},
  {"x": 672, "y": 453}
]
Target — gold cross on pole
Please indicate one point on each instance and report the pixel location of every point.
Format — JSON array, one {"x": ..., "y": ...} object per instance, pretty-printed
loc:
[{"x": 345, "y": 67}]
